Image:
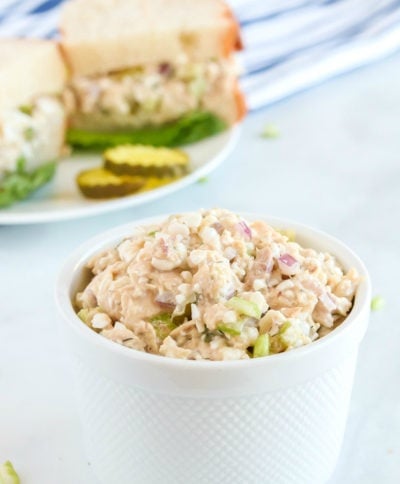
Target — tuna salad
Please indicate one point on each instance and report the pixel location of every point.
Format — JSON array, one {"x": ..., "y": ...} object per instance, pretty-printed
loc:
[
  {"x": 210, "y": 285},
  {"x": 149, "y": 95},
  {"x": 34, "y": 133}
]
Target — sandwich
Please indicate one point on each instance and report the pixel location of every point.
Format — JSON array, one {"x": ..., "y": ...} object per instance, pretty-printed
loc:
[
  {"x": 158, "y": 72},
  {"x": 32, "y": 115}
]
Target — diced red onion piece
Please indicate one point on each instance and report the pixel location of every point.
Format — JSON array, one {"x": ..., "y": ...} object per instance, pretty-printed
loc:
[
  {"x": 165, "y": 69},
  {"x": 288, "y": 265},
  {"x": 287, "y": 259},
  {"x": 244, "y": 229}
]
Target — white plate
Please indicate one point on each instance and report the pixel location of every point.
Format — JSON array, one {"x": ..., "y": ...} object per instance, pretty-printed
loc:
[{"x": 61, "y": 200}]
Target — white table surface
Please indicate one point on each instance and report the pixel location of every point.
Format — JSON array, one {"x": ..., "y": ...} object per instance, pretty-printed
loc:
[{"x": 336, "y": 166}]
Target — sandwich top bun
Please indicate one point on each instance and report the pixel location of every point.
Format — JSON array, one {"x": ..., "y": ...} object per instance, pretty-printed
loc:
[
  {"x": 99, "y": 36},
  {"x": 29, "y": 68}
]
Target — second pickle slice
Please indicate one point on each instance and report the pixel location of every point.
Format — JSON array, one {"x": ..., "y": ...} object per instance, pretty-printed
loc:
[
  {"x": 147, "y": 161},
  {"x": 101, "y": 183}
]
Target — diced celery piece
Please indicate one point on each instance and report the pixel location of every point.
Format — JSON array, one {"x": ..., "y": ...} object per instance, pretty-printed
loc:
[
  {"x": 83, "y": 314},
  {"x": 285, "y": 336},
  {"x": 377, "y": 303},
  {"x": 289, "y": 233},
  {"x": 277, "y": 345},
  {"x": 150, "y": 104},
  {"x": 8, "y": 474},
  {"x": 261, "y": 346},
  {"x": 233, "y": 329},
  {"x": 197, "y": 87},
  {"x": 280, "y": 342},
  {"x": 270, "y": 131},
  {"x": 163, "y": 324},
  {"x": 162, "y": 317},
  {"x": 285, "y": 326},
  {"x": 242, "y": 306}
]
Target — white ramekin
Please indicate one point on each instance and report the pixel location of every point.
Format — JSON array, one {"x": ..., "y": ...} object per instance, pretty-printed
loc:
[{"x": 153, "y": 420}]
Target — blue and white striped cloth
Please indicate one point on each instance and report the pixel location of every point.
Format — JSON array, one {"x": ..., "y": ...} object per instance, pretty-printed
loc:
[{"x": 291, "y": 45}]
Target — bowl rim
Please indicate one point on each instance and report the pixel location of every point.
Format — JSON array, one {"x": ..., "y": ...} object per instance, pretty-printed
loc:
[{"x": 75, "y": 262}]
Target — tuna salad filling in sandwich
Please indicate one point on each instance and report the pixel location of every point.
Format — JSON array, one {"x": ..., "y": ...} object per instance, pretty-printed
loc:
[
  {"x": 32, "y": 116},
  {"x": 137, "y": 77}
]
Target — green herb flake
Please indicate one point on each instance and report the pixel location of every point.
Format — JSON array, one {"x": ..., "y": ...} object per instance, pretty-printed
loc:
[
  {"x": 26, "y": 109},
  {"x": 377, "y": 303},
  {"x": 8, "y": 474},
  {"x": 29, "y": 134},
  {"x": 208, "y": 335},
  {"x": 203, "y": 180},
  {"x": 270, "y": 131}
]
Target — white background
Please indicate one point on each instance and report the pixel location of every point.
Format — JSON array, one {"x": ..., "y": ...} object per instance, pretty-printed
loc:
[{"x": 336, "y": 166}]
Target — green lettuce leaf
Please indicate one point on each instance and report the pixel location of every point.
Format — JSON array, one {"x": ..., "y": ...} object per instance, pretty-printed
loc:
[
  {"x": 21, "y": 183},
  {"x": 188, "y": 129}
]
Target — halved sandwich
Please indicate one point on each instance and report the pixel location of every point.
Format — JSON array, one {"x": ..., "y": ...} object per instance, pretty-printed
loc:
[
  {"x": 158, "y": 72},
  {"x": 32, "y": 115}
]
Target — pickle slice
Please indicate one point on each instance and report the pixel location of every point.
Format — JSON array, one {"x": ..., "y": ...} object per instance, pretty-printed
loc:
[
  {"x": 101, "y": 183},
  {"x": 148, "y": 161}
]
